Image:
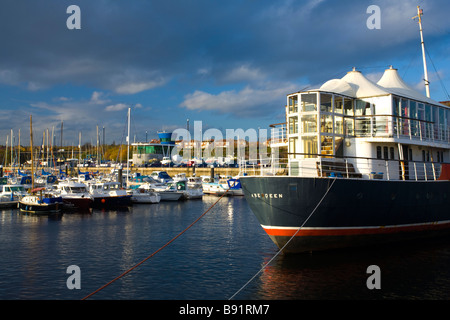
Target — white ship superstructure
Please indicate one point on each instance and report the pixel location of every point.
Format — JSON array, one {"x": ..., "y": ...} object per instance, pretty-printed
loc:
[{"x": 353, "y": 127}]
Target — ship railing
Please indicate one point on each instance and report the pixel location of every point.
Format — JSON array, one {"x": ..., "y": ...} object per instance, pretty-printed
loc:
[
  {"x": 399, "y": 127},
  {"x": 278, "y": 133},
  {"x": 264, "y": 166},
  {"x": 315, "y": 165}
]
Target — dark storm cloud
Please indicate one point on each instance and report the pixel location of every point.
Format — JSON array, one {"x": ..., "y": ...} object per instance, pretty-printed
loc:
[
  {"x": 133, "y": 46},
  {"x": 229, "y": 57}
]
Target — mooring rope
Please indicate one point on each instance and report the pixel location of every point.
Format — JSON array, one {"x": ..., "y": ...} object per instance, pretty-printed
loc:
[
  {"x": 280, "y": 250},
  {"x": 169, "y": 242}
]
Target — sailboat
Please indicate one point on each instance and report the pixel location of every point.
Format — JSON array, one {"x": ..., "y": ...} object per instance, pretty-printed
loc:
[{"x": 39, "y": 201}]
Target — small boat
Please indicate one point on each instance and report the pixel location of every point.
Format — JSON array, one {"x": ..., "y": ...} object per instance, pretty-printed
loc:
[
  {"x": 169, "y": 193},
  {"x": 75, "y": 194},
  {"x": 211, "y": 185},
  {"x": 191, "y": 187},
  {"x": 161, "y": 176},
  {"x": 11, "y": 194},
  {"x": 144, "y": 195},
  {"x": 234, "y": 186},
  {"x": 41, "y": 201},
  {"x": 109, "y": 194}
]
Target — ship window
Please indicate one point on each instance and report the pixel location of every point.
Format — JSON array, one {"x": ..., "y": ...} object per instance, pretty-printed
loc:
[
  {"x": 362, "y": 108},
  {"x": 326, "y": 123},
  {"x": 309, "y": 102},
  {"x": 420, "y": 111},
  {"x": 385, "y": 153},
  {"x": 396, "y": 106},
  {"x": 412, "y": 110},
  {"x": 349, "y": 126},
  {"x": 325, "y": 102},
  {"x": 293, "y": 145},
  {"x": 404, "y": 108},
  {"x": 338, "y": 125},
  {"x": 391, "y": 149},
  {"x": 293, "y": 125},
  {"x": 293, "y": 104},
  {"x": 310, "y": 146},
  {"x": 441, "y": 124},
  {"x": 423, "y": 155},
  {"x": 348, "y": 106},
  {"x": 378, "y": 152},
  {"x": 428, "y": 115},
  {"x": 309, "y": 123},
  {"x": 338, "y": 104}
]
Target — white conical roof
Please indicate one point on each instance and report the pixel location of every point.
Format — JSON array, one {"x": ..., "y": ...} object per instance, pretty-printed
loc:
[
  {"x": 338, "y": 86},
  {"x": 395, "y": 84},
  {"x": 355, "y": 85},
  {"x": 362, "y": 86}
]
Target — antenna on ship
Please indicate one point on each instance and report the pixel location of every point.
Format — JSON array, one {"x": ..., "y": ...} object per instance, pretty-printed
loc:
[{"x": 427, "y": 83}]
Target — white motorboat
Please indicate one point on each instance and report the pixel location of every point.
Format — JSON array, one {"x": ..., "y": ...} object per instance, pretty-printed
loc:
[
  {"x": 11, "y": 194},
  {"x": 144, "y": 195},
  {"x": 191, "y": 187}
]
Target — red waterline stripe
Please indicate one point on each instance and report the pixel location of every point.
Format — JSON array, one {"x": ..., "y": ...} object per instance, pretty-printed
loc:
[{"x": 289, "y": 232}]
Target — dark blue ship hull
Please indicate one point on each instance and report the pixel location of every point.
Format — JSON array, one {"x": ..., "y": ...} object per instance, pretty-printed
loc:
[
  {"x": 111, "y": 202},
  {"x": 326, "y": 213}
]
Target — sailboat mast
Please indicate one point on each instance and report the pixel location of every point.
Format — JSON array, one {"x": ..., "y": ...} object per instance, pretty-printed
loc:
[
  {"x": 12, "y": 151},
  {"x": 128, "y": 146},
  {"x": 79, "y": 148},
  {"x": 427, "y": 83},
  {"x": 31, "y": 146},
  {"x": 18, "y": 161}
]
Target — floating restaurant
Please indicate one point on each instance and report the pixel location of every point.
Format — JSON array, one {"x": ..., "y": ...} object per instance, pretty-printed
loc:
[{"x": 368, "y": 163}]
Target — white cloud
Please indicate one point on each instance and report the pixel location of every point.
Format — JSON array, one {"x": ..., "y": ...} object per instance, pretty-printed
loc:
[
  {"x": 117, "y": 107},
  {"x": 122, "y": 106},
  {"x": 136, "y": 87},
  {"x": 244, "y": 73},
  {"x": 97, "y": 98},
  {"x": 244, "y": 102}
]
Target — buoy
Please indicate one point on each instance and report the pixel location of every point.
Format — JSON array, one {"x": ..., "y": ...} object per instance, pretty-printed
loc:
[{"x": 103, "y": 200}]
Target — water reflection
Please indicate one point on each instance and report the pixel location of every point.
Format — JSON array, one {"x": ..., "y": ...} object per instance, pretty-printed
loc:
[
  {"x": 408, "y": 271},
  {"x": 212, "y": 260}
]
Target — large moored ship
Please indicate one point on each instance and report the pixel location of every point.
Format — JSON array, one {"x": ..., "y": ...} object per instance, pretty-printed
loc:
[{"x": 367, "y": 163}]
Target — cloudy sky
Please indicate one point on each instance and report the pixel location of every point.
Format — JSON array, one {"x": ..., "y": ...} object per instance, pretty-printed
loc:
[{"x": 228, "y": 63}]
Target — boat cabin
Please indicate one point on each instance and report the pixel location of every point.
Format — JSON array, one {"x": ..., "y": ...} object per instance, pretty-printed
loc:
[{"x": 355, "y": 128}]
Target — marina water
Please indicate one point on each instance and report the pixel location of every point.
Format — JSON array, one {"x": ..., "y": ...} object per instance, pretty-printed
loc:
[{"x": 213, "y": 260}]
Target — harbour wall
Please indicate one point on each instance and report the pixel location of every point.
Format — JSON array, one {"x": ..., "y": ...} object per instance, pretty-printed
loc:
[{"x": 146, "y": 171}]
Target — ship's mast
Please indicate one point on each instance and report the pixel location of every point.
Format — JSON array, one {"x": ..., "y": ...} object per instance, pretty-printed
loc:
[{"x": 427, "y": 83}]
